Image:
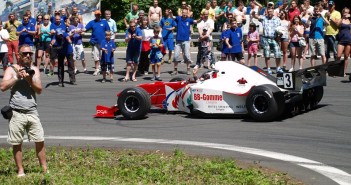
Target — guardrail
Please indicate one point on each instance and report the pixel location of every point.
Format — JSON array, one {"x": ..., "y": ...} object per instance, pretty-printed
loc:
[{"x": 120, "y": 37}]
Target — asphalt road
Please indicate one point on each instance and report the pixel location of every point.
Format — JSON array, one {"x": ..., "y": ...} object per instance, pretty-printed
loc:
[{"x": 321, "y": 135}]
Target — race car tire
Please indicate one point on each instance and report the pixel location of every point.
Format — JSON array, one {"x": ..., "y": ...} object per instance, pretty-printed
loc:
[
  {"x": 265, "y": 103},
  {"x": 178, "y": 79},
  {"x": 134, "y": 103},
  {"x": 318, "y": 95}
]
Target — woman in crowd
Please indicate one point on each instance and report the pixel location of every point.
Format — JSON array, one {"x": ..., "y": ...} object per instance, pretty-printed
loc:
[
  {"x": 4, "y": 36},
  {"x": 44, "y": 43},
  {"x": 305, "y": 16},
  {"x": 144, "y": 61},
  {"x": 344, "y": 36},
  {"x": 39, "y": 21},
  {"x": 284, "y": 40},
  {"x": 295, "y": 31}
]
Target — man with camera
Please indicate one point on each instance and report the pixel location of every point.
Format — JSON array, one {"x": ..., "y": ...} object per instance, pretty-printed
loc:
[
  {"x": 316, "y": 41},
  {"x": 24, "y": 81}
]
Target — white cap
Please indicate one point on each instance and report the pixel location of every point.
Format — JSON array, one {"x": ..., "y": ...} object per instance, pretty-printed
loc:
[{"x": 271, "y": 3}]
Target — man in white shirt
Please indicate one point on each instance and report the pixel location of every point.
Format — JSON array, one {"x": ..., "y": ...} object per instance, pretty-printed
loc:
[
  {"x": 111, "y": 23},
  {"x": 239, "y": 14},
  {"x": 207, "y": 24},
  {"x": 4, "y": 36}
]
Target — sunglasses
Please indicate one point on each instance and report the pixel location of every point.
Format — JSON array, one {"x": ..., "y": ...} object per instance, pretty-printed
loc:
[
  {"x": 26, "y": 53},
  {"x": 183, "y": 4}
]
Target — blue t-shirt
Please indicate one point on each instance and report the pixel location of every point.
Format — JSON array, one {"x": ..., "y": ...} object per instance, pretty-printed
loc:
[
  {"x": 63, "y": 42},
  {"x": 224, "y": 35},
  {"x": 235, "y": 38},
  {"x": 109, "y": 45},
  {"x": 63, "y": 19},
  {"x": 98, "y": 30},
  {"x": 25, "y": 37},
  {"x": 134, "y": 44},
  {"x": 317, "y": 26},
  {"x": 167, "y": 23},
  {"x": 183, "y": 28},
  {"x": 76, "y": 38},
  {"x": 56, "y": 27},
  {"x": 155, "y": 53}
]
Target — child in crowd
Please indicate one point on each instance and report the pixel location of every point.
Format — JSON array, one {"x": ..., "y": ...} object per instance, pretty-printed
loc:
[
  {"x": 108, "y": 46},
  {"x": 205, "y": 52},
  {"x": 156, "y": 55},
  {"x": 253, "y": 37}
]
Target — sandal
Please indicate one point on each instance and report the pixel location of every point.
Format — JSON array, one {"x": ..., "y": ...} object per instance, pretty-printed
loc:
[
  {"x": 134, "y": 80},
  {"x": 125, "y": 80}
]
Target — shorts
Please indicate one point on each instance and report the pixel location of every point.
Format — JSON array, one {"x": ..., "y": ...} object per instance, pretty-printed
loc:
[
  {"x": 169, "y": 44},
  {"x": 153, "y": 24},
  {"x": 107, "y": 66},
  {"x": 96, "y": 53},
  {"x": 344, "y": 43},
  {"x": 284, "y": 40},
  {"x": 78, "y": 52},
  {"x": 252, "y": 49},
  {"x": 317, "y": 47},
  {"x": 294, "y": 45},
  {"x": 183, "y": 46},
  {"x": 3, "y": 59},
  {"x": 133, "y": 56},
  {"x": 54, "y": 53},
  {"x": 225, "y": 55},
  {"x": 22, "y": 123},
  {"x": 268, "y": 45},
  {"x": 44, "y": 46},
  {"x": 237, "y": 56}
]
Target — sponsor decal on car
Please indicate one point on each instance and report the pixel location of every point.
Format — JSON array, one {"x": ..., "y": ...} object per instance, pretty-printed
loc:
[
  {"x": 242, "y": 81},
  {"x": 208, "y": 97}
]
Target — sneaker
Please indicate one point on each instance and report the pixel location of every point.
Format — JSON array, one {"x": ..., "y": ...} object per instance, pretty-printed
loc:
[
  {"x": 175, "y": 72},
  {"x": 75, "y": 71},
  {"x": 188, "y": 72},
  {"x": 196, "y": 67},
  {"x": 291, "y": 69},
  {"x": 269, "y": 71},
  {"x": 103, "y": 80},
  {"x": 146, "y": 73},
  {"x": 50, "y": 73},
  {"x": 107, "y": 72},
  {"x": 152, "y": 79},
  {"x": 212, "y": 66},
  {"x": 280, "y": 70},
  {"x": 169, "y": 61},
  {"x": 85, "y": 71},
  {"x": 96, "y": 72},
  {"x": 158, "y": 78}
]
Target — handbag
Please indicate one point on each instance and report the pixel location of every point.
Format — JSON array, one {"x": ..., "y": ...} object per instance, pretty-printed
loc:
[
  {"x": 6, "y": 112},
  {"x": 302, "y": 41}
]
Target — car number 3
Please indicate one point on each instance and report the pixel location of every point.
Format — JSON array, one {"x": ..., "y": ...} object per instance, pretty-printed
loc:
[{"x": 288, "y": 83}]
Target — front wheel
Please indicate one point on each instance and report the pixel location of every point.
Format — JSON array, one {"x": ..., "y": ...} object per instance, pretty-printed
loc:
[
  {"x": 265, "y": 103},
  {"x": 134, "y": 103}
]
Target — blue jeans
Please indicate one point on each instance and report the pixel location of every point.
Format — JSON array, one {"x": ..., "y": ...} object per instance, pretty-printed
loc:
[{"x": 331, "y": 44}]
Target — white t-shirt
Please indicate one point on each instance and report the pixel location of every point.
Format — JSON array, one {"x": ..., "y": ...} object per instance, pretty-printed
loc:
[
  {"x": 3, "y": 46},
  {"x": 310, "y": 9},
  {"x": 239, "y": 15},
  {"x": 209, "y": 24}
]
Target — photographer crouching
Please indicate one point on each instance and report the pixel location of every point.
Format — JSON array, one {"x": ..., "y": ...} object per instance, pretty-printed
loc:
[{"x": 23, "y": 79}]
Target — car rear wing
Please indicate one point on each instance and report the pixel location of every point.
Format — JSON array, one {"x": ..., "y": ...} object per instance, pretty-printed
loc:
[{"x": 299, "y": 80}]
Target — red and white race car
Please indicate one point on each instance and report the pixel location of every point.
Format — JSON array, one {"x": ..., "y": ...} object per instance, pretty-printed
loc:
[{"x": 229, "y": 89}]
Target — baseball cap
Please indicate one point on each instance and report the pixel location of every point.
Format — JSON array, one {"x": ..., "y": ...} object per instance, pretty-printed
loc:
[
  {"x": 97, "y": 12},
  {"x": 331, "y": 2},
  {"x": 279, "y": 3},
  {"x": 271, "y": 3}
]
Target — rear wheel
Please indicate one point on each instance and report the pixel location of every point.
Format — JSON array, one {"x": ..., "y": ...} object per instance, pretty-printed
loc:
[
  {"x": 265, "y": 103},
  {"x": 134, "y": 103}
]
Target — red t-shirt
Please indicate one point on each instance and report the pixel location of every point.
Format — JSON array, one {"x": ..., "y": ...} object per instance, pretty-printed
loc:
[{"x": 292, "y": 13}]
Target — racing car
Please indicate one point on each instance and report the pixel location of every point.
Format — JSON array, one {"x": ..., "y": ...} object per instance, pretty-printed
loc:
[{"x": 228, "y": 89}]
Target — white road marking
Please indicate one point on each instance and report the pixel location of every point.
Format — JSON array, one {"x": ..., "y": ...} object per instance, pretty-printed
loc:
[{"x": 335, "y": 174}]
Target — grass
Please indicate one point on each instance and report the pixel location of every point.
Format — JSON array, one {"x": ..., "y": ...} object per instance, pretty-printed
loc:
[{"x": 106, "y": 166}]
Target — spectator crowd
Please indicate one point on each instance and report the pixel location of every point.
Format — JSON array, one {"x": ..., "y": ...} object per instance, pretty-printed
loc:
[{"x": 289, "y": 29}]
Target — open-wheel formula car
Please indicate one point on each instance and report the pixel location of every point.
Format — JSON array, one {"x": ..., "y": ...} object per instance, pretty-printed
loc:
[{"x": 229, "y": 89}]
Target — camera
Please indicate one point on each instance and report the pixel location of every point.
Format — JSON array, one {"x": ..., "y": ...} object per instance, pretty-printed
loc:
[{"x": 28, "y": 70}]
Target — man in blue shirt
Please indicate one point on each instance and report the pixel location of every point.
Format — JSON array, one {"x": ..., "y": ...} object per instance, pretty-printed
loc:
[
  {"x": 168, "y": 25},
  {"x": 316, "y": 41},
  {"x": 133, "y": 38},
  {"x": 31, "y": 19},
  {"x": 57, "y": 25},
  {"x": 63, "y": 44},
  {"x": 235, "y": 42},
  {"x": 98, "y": 27},
  {"x": 183, "y": 40},
  {"x": 26, "y": 32}
]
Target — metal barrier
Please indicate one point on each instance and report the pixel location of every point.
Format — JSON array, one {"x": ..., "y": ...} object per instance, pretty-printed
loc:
[{"x": 120, "y": 37}]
